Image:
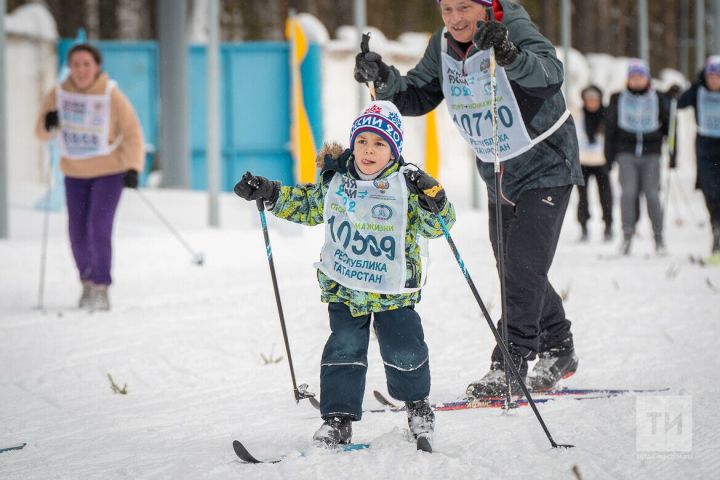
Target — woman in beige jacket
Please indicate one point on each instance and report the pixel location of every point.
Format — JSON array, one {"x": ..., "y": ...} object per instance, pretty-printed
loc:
[{"x": 102, "y": 150}]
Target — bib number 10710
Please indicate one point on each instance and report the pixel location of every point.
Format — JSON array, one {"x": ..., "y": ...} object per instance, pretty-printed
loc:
[{"x": 474, "y": 124}]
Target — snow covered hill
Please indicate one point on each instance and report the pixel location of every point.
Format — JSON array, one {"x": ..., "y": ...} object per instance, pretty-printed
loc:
[{"x": 189, "y": 343}]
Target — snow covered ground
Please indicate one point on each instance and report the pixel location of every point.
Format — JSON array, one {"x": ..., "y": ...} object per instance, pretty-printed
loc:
[{"x": 189, "y": 343}]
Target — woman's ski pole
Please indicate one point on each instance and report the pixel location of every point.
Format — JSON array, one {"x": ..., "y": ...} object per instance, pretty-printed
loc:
[{"x": 197, "y": 257}]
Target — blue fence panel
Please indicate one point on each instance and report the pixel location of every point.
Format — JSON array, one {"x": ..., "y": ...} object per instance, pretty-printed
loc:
[{"x": 254, "y": 105}]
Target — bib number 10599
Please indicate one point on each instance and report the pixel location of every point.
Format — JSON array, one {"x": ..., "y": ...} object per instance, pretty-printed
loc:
[{"x": 345, "y": 235}]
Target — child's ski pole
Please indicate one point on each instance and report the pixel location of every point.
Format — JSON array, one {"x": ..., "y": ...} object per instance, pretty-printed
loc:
[{"x": 299, "y": 392}]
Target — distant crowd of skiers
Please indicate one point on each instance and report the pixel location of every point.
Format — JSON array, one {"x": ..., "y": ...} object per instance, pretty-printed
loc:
[{"x": 631, "y": 133}]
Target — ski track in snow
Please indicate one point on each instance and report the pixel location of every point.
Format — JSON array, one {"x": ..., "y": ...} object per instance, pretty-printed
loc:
[{"x": 188, "y": 342}]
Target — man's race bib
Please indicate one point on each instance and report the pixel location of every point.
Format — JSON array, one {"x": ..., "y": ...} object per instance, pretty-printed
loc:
[{"x": 468, "y": 94}]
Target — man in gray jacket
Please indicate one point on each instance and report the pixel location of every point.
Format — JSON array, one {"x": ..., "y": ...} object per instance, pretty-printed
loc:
[{"x": 538, "y": 150}]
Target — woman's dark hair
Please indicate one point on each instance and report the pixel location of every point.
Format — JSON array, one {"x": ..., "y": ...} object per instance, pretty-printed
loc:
[{"x": 84, "y": 47}]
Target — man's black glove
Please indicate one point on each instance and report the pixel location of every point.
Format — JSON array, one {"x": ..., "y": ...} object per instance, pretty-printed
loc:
[
  {"x": 369, "y": 66},
  {"x": 51, "y": 120},
  {"x": 251, "y": 187},
  {"x": 494, "y": 34},
  {"x": 674, "y": 91},
  {"x": 428, "y": 190},
  {"x": 130, "y": 180}
]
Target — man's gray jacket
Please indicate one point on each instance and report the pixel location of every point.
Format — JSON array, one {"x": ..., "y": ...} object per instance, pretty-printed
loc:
[{"x": 536, "y": 78}]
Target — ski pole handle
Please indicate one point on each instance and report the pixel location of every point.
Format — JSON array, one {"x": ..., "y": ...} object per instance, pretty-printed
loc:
[
  {"x": 253, "y": 182},
  {"x": 365, "y": 48}
]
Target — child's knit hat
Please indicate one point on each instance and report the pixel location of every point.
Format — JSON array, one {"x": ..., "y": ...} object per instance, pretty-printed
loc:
[{"x": 384, "y": 120}]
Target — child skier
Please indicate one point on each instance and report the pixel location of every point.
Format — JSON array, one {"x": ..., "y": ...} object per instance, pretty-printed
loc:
[{"x": 375, "y": 208}]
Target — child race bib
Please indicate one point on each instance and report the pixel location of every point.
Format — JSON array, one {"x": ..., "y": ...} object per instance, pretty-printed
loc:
[{"x": 365, "y": 225}]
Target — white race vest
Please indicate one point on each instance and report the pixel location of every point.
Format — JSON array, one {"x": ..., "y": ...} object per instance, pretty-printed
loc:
[
  {"x": 639, "y": 113},
  {"x": 708, "y": 106},
  {"x": 469, "y": 99},
  {"x": 591, "y": 154},
  {"x": 84, "y": 123},
  {"x": 365, "y": 224}
]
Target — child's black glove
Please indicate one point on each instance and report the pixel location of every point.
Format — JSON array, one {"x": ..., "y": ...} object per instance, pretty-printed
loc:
[
  {"x": 51, "y": 120},
  {"x": 130, "y": 180},
  {"x": 251, "y": 187},
  {"x": 494, "y": 34},
  {"x": 428, "y": 190}
]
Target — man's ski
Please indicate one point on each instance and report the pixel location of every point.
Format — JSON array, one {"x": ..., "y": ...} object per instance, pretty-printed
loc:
[
  {"x": 16, "y": 447},
  {"x": 245, "y": 456},
  {"x": 539, "y": 397}
]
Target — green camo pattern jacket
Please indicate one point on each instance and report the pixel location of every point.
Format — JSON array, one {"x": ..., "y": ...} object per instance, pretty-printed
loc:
[{"x": 305, "y": 204}]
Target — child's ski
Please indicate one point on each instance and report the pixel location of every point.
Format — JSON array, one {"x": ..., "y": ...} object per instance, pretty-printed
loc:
[{"x": 247, "y": 457}]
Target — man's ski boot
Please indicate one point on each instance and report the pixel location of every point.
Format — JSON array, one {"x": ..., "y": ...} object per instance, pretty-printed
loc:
[
  {"x": 421, "y": 420},
  {"x": 333, "y": 432},
  {"x": 494, "y": 383},
  {"x": 552, "y": 366}
]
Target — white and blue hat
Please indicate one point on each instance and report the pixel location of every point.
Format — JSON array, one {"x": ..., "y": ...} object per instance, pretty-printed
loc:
[
  {"x": 384, "y": 120},
  {"x": 639, "y": 67},
  {"x": 712, "y": 65}
]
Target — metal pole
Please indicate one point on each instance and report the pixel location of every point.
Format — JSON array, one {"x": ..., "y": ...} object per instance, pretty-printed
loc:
[
  {"x": 174, "y": 152},
  {"x": 4, "y": 214},
  {"x": 360, "y": 15},
  {"x": 715, "y": 50},
  {"x": 566, "y": 41},
  {"x": 685, "y": 39},
  {"x": 643, "y": 32},
  {"x": 699, "y": 34},
  {"x": 213, "y": 108}
]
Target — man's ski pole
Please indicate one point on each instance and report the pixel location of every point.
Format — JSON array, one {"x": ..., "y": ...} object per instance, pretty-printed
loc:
[
  {"x": 496, "y": 334},
  {"x": 499, "y": 219},
  {"x": 197, "y": 257},
  {"x": 301, "y": 391}
]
